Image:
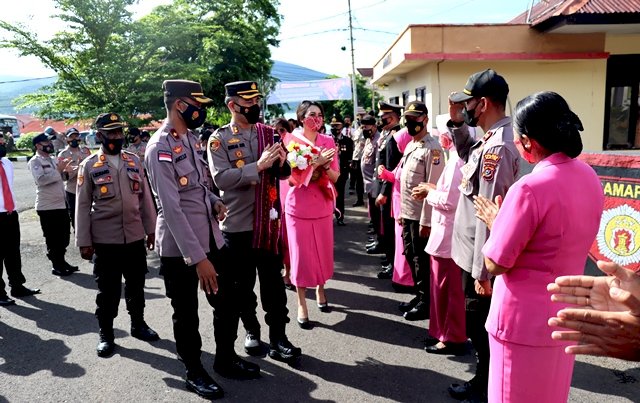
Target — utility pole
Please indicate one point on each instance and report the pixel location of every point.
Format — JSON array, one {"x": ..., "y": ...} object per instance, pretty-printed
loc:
[{"x": 354, "y": 91}]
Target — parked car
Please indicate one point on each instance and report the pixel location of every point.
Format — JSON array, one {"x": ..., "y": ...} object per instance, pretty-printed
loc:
[{"x": 89, "y": 138}]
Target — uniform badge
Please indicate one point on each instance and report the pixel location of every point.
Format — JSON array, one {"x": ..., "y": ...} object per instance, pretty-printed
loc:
[
  {"x": 136, "y": 186},
  {"x": 131, "y": 163},
  {"x": 235, "y": 129},
  {"x": 174, "y": 133},
  {"x": 239, "y": 163},
  {"x": 234, "y": 140},
  {"x": 184, "y": 181},
  {"x": 80, "y": 180},
  {"x": 177, "y": 149},
  {"x": 114, "y": 117},
  {"x": 436, "y": 157},
  {"x": 489, "y": 165},
  {"x": 195, "y": 115},
  {"x": 103, "y": 158},
  {"x": 215, "y": 145},
  {"x": 104, "y": 189},
  {"x": 164, "y": 156},
  {"x": 125, "y": 157},
  {"x": 98, "y": 164},
  {"x": 239, "y": 153}
]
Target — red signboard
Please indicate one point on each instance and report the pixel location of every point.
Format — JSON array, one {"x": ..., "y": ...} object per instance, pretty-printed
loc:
[{"x": 618, "y": 238}]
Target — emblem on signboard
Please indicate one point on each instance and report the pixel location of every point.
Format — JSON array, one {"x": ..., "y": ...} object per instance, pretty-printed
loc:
[{"x": 619, "y": 235}]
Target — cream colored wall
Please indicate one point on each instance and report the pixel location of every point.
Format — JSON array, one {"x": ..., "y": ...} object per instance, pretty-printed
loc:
[{"x": 622, "y": 44}]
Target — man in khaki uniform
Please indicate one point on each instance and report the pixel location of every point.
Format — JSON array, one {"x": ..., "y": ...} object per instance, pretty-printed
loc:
[
  {"x": 72, "y": 155},
  {"x": 136, "y": 145},
  {"x": 114, "y": 212},
  {"x": 422, "y": 162}
]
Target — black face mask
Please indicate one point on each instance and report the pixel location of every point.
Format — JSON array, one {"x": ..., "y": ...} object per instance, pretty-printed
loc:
[
  {"x": 470, "y": 117},
  {"x": 367, "y": 133},
  {"x": 3, "y": 150},
  {"x": 335, "y": 132},
  {"x": 74, "y": 143},
  {"x": 413, "y": 127},
  {"x": 48, "y": 149},
  {"x": 251, "y": 113},
  {"x": 193, "y": 116},
  {"x": 112, "y": 146},
  {"x": 384, "y": 122}
]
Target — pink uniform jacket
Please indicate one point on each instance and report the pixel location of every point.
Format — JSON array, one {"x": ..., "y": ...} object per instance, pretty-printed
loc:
[{"x": 544, "y": 229}]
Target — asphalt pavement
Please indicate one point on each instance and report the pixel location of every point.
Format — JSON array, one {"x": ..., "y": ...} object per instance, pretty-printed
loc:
[{"x": 363, "y": 351}]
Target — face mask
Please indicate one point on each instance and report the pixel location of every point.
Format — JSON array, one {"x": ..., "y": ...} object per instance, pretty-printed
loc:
[
  {"x": 526, "y": 155},
  {"x": 470, "y": 117},
  {"x": 384, "y": 122},
  {"x": 48, "y": 149},
  {"x": 134, "y": 140},
  {"x": 193, "y": 116},
  {"x": 414, "y": 127},
  {"x": 367, "y": 133},
  {"x": 74, "y": 143},
  {"x": 251, "y": 113},
  {"x": 3, "y": 150},
  {"x": 313, "y": 122},
  {"x": 335, "y": 132},
  {"x": 112, "y": 146}
]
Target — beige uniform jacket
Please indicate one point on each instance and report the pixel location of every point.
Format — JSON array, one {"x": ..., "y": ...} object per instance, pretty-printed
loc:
[
  {"x": 50, "y": 187},
  {"x": 77, "y": 156},
  {"x": 422, "y": 162},
  {"x": 113, "y": 205}
]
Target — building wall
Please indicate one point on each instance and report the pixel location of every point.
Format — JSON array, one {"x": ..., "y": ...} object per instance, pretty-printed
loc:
[
  {"x": 622, "y": 44},
  {"x": 580, "y": 82}
]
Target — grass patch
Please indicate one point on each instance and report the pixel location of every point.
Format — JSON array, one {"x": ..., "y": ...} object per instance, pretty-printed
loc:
[{"x": 20, "y": 153}]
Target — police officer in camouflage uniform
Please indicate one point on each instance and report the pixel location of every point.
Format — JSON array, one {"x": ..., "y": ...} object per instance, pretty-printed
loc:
[
  {"x": 189, "y": 241},
  {"x": 73, "y": 154},
  {"x": 389, "y": 156},
  {"x": 422, "y": 162},
  {"x": 491, "y": 167},
  {"x": 246, "y": 164},
  {"x": 114, "y": 213}
]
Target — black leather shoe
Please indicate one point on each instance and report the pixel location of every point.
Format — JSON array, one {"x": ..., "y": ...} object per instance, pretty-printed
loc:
[
  {"x": 341, "y": 222},
  {"x": 304, "y": 323},
  {"x": 419, "y": 312},
  {"x": 289, "y": 286},
  {"x": 375, "y": 250},
  {"x": 324, "y": 307},
  {"x": 448, "y": 349},
  {"x": 205, "y": 387},
  {"x": 236, "y": 368},
  {"x": 403, "y": 289},
  {"x": 70, "y": 267},
  {"x": 371, "y": 231},
  {"x": 106, "y": 344},
  {"x": 22, "y": 291},
  {"x": 6, "y": 301},
  {"x": 371, "y": 244},
  {"x": 407, "y": 306},
  {"x": 142, "y": 331},
  {"x": 60, "y": 271},
  {"x": 460, "y": 392},
  {"x": 386, "y": 272},
  {"x": 284, "y": 351},
  {"x": 358, "y": 203}
]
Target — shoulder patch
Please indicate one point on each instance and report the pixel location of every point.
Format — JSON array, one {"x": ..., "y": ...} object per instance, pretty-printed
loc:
[
  {"x": 215, "y": 145},
  {"x": 164, "y": 156},
  {"x": 80, "y": 179},
  {"x": 435, "y": 154},
  {"x": 489, "y": 166}
]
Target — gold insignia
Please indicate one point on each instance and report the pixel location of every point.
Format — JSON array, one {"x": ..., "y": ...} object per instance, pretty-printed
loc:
[
  {"x": 253, "y": 86},
  {"x": 174, "y": 133},
  {"x": 239, "y": 153},
  {"x": 184, "y": 181},
  {"x": 103, "y": 158},
  {"x": 239, "y": 163},
  {"x": 80, "y": 180},
  {"x": 412, "y": 107},
  {"x": 235, "y": 129},
  {"x": 233, "y": 140},
  {"x": 177, "y": 149},
  {"x": 98, "y": 164},
  {"x": 125, "y": 157},
  {"x": 104, "y": 189},
  {"x": 114, "y": 117},
  {"x": 131, "y": 163},
  {"x": 435, "y": 153},
  {"x": 215, "y": 145}
]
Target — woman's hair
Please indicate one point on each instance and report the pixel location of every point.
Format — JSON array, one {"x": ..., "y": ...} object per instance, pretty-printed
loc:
[
  {"x": 546, "y": 117},
  {"x": 284, "y": 123},
  {"x": 304, "y": 107}
]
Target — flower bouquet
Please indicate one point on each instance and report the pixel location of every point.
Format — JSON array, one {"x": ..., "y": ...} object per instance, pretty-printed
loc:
[{"x": 300, "y": 158}]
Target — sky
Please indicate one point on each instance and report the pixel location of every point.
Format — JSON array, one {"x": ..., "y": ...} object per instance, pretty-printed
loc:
[{"x": 312, "y": 33}]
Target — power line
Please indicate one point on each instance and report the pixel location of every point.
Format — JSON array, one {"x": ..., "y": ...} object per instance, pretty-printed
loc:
[
  {"x": 338, "y": 15},
  {"x": 26, "y": 79}
]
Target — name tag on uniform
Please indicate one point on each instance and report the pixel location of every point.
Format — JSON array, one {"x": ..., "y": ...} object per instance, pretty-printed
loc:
[
  {"x": 99, "y": 173},
  {"x": 181, "y": 157}
]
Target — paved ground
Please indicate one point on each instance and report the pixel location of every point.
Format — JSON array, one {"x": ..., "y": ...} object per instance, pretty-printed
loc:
[{"x": 362, "y": 351}]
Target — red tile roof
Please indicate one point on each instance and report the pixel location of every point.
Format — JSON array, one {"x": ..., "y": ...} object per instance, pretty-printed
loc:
[{"x": 545, "y": 9}]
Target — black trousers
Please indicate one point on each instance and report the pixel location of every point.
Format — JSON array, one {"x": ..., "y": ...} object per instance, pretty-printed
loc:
[
  {"x": 477, "y": 310},
  {"x": 357, "y": 180},
  {"x": 375, "y": 216},
  {"x": 245, "y": 260},
  {"x": 417, "y": 258},
  {"x": 71, "y": 207},
  {"x": 389, "y": 229},
  {"x": 10, "y": 251},
  {"x": 55, "y": 228},
  {"x": 340, "y": 187},
  {"x": 181, "y": 284},
  {"x": 112, "y": 263}
]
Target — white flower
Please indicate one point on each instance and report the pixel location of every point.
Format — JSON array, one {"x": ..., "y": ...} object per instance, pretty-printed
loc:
[
  {"x": 301, "y": 163},
  {"x": 273, "y": 214}
]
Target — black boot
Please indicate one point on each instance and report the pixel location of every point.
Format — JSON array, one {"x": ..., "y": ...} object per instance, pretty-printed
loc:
[
  {"x": 106, "y": 345},
  {"x": 140, "y": 330}
]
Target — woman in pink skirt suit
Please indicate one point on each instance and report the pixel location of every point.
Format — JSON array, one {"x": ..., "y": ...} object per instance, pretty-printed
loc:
[
  {"x": 401, "y": 270},
  {"x": 544, "y": 229},
  {"x": 309, "y": 212}
]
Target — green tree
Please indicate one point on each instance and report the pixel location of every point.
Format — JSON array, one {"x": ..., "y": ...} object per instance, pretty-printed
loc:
[{"x": 107, "y": 61}]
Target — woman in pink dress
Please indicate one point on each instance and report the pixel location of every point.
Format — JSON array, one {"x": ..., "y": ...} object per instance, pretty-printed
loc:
[
  {"x": 309, "y": 212},
  {"x": 401, "y": 270},
  {"x": 543, "y": 230}
]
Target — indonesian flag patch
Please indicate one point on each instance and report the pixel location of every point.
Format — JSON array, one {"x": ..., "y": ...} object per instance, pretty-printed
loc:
[{"x": 164, "y": 156}]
